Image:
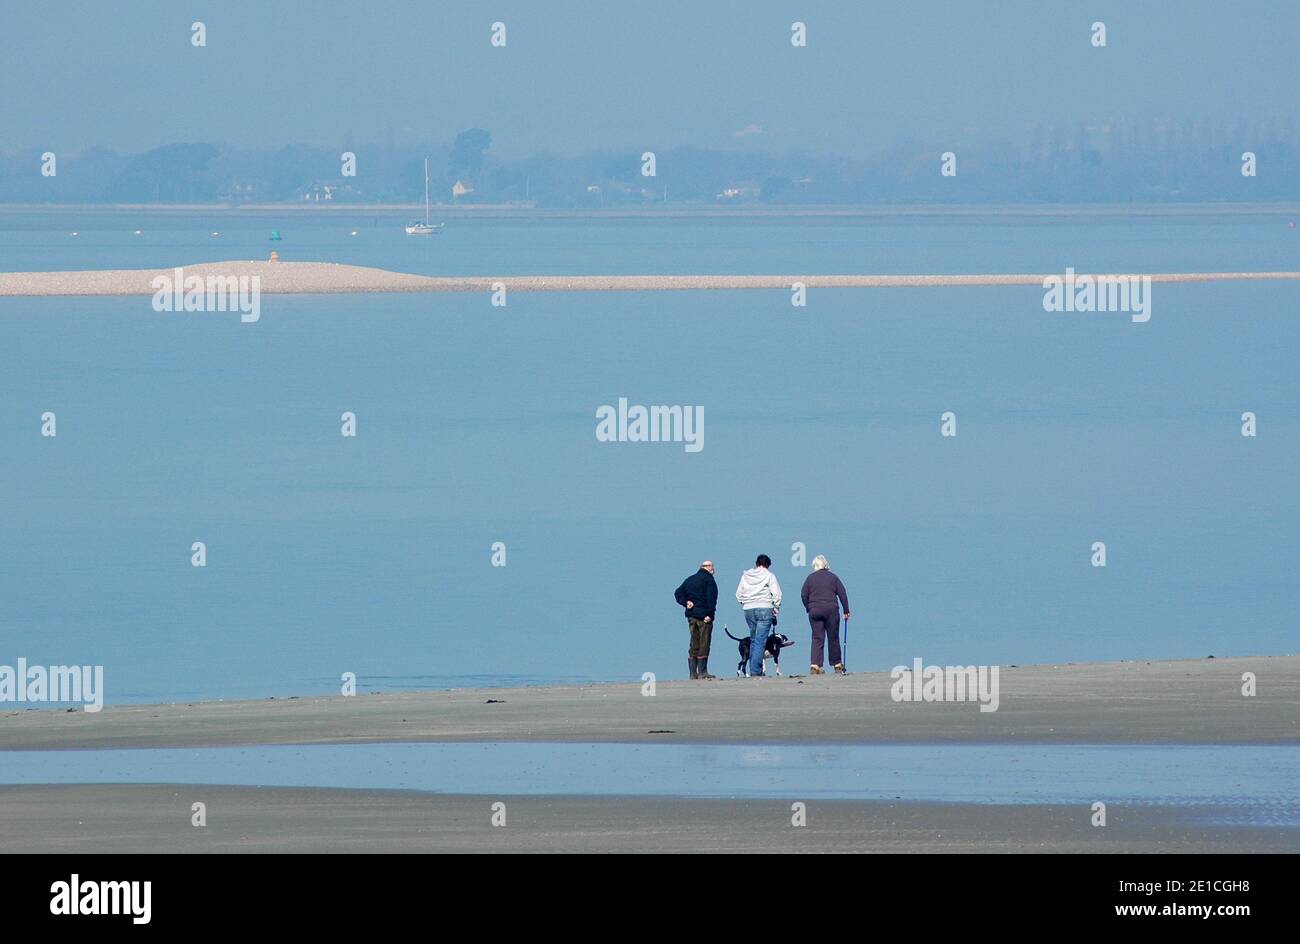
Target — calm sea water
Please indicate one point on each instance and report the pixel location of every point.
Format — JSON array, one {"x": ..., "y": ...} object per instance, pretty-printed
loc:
[
  {"x": 477, "y": 424},
  {"x": 1240, "y": 785}
]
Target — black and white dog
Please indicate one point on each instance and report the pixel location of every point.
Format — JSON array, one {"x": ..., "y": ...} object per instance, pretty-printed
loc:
[{"x": 775, "y": 643}]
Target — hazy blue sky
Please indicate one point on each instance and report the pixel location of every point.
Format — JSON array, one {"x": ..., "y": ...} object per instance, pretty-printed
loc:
[{"x": 581, "y": 75}]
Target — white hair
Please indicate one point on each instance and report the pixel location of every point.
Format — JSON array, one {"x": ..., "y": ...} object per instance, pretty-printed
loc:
[{"x": 821, "y": 563}]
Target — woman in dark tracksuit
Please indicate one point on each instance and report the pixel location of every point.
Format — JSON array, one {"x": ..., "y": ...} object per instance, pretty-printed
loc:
[{"x": 823, "y": 596}]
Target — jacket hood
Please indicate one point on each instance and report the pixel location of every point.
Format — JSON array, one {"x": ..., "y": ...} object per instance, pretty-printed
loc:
[{"x": 758, "y": 588}]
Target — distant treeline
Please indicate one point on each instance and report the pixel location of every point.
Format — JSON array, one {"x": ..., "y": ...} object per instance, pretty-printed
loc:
[{"x": 1149, "y": 164}]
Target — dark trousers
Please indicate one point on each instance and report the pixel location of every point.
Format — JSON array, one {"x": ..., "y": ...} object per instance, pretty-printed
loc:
[
  {"x": 701, "y": 636},
  {"x": 825, "y": 628}
]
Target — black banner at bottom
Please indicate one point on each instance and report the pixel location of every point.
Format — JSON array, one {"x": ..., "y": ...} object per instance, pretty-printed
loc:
[{"x": 213, "y": 893}]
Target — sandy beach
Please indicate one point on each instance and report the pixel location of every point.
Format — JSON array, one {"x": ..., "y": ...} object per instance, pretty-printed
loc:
[
  {"x": 315, "y": 278},
  {"x": 1129, "y": 703},
  {"x": 156, "y": 818},
  {"x": 1175, "y": 702}
]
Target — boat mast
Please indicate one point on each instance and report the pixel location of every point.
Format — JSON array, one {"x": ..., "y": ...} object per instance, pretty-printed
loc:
[{"x": 426, "y": 191}]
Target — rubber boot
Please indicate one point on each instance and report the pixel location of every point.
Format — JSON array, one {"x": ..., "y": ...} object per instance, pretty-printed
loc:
[
  {"x": 694, "y": 663},
  {"x": 703, "y": 668}
]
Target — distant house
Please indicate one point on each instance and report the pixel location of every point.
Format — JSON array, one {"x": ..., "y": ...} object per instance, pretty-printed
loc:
[
  {"x": 317, "y": 192},
  {"x": 461, "y": 188},
  {"x": 738, "y": 191},
  {"x": 328, "y": 193}
]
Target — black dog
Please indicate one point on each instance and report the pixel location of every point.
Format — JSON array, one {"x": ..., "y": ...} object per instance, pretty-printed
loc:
[{"x": 775, "y": 643}]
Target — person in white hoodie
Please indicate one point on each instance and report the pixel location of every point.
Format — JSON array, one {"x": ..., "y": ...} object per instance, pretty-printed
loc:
[{"x": 760, "y": 595}]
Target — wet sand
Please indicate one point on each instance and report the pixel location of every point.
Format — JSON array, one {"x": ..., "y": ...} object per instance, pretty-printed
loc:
[
  {"x": 157, "y": 818},
  {"x": 313, "y": 278},
  {"x": 1174, "y": 702}
]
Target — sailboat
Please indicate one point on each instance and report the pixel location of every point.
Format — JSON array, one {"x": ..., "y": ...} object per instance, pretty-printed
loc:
[{"x": 423, "y": 227}]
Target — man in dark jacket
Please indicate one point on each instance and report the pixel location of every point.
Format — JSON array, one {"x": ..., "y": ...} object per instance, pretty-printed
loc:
[
  {"x": 823, "y": 596},
  {"x": 699, "y": 595}
]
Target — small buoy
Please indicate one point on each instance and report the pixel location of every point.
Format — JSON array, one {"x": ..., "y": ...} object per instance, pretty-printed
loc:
[
  {"x": 76, "y": 233},
  {"x": 1291, "y": 224},
  {"x": 215, "y": 233},
  {"x": 137, "y": 232},
  {"x": 275, "y": 235},
  {"x": 354, "y": 232},
  {"x": 275, "y": 256}
]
